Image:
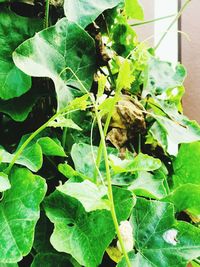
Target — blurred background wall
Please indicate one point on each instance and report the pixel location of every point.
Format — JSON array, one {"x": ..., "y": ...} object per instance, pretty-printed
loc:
[{"x": 186, "y": 51}]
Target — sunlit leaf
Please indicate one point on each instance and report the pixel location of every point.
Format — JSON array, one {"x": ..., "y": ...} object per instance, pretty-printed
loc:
[
  {"x": 76, "y": 231},
  {"x": 54, "y": 52},
  {"x": 86, "y": 12},
  {"x": 90, "y": 195},
  {"x": 134, "y": 9},
  {"x": 19, "y": 212}
]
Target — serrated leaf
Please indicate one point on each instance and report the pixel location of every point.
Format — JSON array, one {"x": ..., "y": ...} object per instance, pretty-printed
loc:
[
  {"x": 53, "y": 52},
  {"x": 142, "y": 162},
  {"x": 19, "y": 212},
  {"x": 76, "y": 231},
  {"x": 86, "y": 12},
  {"x": 4, "y": 182},
  {"x": 63, "y": 122},
  {"x": 102, "y": 79},
  {"x": 14, "y": 30},
  {"x": 91, "y": 196},
  {"x": 148, "y": 185},
  {"x": 162, "y": 76},
  {"x": 134, "y": 9},
  {"x": 125, "y": 77},
  {"x": 161, "y": 241}
]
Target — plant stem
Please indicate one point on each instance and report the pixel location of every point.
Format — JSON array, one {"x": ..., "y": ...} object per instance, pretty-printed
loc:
[
  {"x": 31, "y": 137},
  {"x": 109, "y": 182},
  {"x": 172, "y": 23},
  {"x": 108, "y": 175},
  {"x": 152, "y": 20},
  {"x": 107, "y": 123},
  {"x": 46, "y": 16}
]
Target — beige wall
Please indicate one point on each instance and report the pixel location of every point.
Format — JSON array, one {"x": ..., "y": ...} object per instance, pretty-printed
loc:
[
  {"x": 147, "y": 30},
  {"x": 191, "y": 59}
]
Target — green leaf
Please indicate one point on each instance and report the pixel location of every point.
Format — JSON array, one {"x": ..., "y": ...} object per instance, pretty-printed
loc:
[
  {"x": 18, "y": 108},
  {"x": 122, "y": 36},
  {"x": 186, "y": 197},
  {"x": 84, "y": 159},
  {"x": 162, "y": 76},
  {"x": 8, "y": 264},
  {"x": 86, "y": 12},
  {"x": 186, "y": 165},
  {"x": 43, "y": 231},
  {"x": 172, "y": 132},
  {"x": 30, "y": 158},
  {"x": 63, "y": 122},
  {"x": 51, "y": 147},
  {"x": 91, "y": 196},
  {"x": 19, "y": 212},
  {"x": 141, "y": 162},
  {"x": 125, "y": 76},
  {"x": 4, "y": 182},
  {"x": 32, "y": 155},
  {"x": 134, "y": 9},
  {"x": 162, "y": 241},
  {"x": 70, "y": 173},
  {"x": 50, "y": 259},
  {"x": 137, "y": 260},
  {"x": 54, "y": 52},
  {"x": 14, "y": 30},
  {"x": 148, "y": 185},
  {"x": 84, "y": 235}
]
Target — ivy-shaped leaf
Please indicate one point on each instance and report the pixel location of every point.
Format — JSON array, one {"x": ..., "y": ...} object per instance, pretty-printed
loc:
[
  {"x": 19, "y": 212},
  {"x": 91, "y": 196},
  {"x": 162, "y": 241},
  {"x": 53, "y": 52},
  {"x": 85, "y": 12},
  {"x": 76, "y": 231},
  {"x": 14, "y": 30},
  {"x": 162, "y": 76}
]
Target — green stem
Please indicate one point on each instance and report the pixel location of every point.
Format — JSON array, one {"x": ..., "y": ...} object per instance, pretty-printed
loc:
[
  {"x": 152, "y": 20},
  {"x": 46, "y": 16},
  {"x": 108, "y": 175},
  {"x": 172, "y": 23},
  {"x": 31, "y": 137},
  {"x": 107, "y": 123},
  {"x": 109, "y": 182}
]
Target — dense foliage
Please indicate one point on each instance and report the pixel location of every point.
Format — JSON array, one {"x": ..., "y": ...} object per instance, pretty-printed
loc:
[{"x": 98, "y": 164}]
